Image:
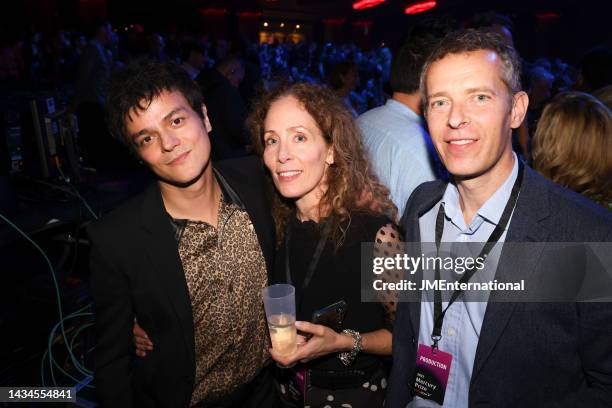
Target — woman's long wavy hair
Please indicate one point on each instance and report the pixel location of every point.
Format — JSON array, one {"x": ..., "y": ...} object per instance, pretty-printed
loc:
[
  {"x": 351, "y": 185},
  {"x": 572, "y": 145}
]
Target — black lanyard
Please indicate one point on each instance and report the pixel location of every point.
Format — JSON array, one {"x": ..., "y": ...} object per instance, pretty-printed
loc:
[
  {"x": 436, "y": 333},
  {"x": 315, "y": 257}
]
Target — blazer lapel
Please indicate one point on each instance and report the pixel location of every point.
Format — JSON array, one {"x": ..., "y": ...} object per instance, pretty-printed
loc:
[
  {"x": 165, "y": 261},
  {"x": 516, "y": 262}
]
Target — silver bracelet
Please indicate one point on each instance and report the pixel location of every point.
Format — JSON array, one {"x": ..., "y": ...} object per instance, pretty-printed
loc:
[{"x": 348, "y": 357}]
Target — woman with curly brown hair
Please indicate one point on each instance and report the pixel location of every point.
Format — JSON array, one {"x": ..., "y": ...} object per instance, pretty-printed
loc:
[
  {"x": 327, "y": 203},
  {"x": 572, "y": 145}
]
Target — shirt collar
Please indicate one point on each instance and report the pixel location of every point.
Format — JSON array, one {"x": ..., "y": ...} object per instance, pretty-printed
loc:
[
  {"x": 491, "y": 210},
  {"x": 227, "y": 199},
  {"x": 403, "y": 109}
]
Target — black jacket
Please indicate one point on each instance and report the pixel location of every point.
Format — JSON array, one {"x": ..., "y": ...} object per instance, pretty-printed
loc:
[{"x": 136, "y": 272}]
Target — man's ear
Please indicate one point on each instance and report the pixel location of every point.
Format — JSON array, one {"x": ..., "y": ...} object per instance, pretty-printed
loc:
[
  {"x": 207, "y": 124},
  {"x": 520, "y": 102}
]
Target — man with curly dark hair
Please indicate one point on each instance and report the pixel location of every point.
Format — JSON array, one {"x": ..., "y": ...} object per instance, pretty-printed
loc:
[{"x": 187, "y": 258}]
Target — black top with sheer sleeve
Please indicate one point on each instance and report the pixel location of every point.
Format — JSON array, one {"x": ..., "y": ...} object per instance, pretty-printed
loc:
[{"x": 336, "y": 277}]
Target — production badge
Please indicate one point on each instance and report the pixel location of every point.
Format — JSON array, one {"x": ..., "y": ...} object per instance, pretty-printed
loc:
[{"x": 432, "y": 370}]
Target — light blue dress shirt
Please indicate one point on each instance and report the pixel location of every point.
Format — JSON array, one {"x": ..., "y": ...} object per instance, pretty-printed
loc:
[
  {"x": 399, "y": 149},
  {"x": 463, "y": 320}
]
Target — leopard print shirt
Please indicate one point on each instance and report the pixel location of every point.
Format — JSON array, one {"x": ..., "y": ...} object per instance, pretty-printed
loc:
[{"x": 225, "y": 272}]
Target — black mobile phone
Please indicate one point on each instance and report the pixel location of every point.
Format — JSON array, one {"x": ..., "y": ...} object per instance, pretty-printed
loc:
[{"x": 331, "y": 316}]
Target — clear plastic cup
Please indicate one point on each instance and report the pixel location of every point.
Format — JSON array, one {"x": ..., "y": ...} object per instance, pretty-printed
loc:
[{"x": 279, "y": 302}]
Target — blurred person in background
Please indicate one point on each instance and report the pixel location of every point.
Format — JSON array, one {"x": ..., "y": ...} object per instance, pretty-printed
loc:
[
  {"x": 93, "y": 73},
  {"x": 194, "y": 58},
  {"x": 595, "y": 69},
  {"x": 156, "y": 45},
  {"x": 395, "y": 135},
  {"x": 605, "y": 95},
  {"x": 343, "y": 79},
  {"x": 572, "y": 145},
  {"x": 226, "y": 108}
]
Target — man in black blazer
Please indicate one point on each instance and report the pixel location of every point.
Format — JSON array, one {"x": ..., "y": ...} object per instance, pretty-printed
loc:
[
  {"x": 503, "y": 354},
  {"x": 187, "y": 258}
]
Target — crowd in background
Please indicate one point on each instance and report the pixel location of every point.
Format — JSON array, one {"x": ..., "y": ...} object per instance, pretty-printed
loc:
[
  {"x": 67, "y": 60},
  {"x": 45, "y": 60},
  {"x": 49, "y": 59}
]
